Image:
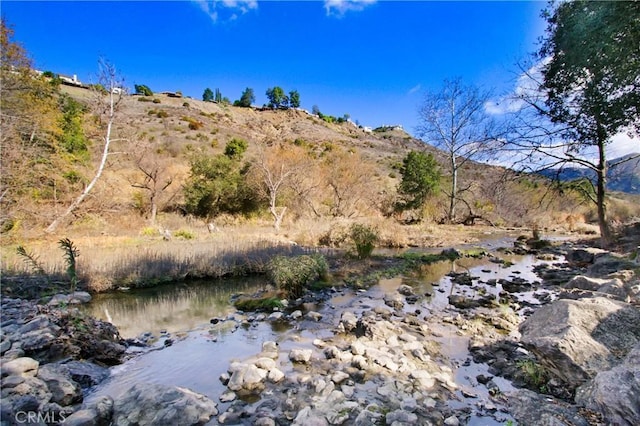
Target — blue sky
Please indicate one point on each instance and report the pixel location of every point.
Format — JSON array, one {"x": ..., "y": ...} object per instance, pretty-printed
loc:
[{"x": 372, "y": 60}]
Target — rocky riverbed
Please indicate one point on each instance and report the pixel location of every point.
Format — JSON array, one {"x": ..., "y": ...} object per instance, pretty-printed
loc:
[{"x": 560, "y": 350}]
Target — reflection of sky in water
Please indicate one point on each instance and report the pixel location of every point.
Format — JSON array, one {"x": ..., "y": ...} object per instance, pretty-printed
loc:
[{"x": 172, "y": 307}]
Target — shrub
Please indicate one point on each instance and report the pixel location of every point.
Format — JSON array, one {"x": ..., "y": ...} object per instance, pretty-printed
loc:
[
  {"x": 156, "y": 101},
  {"x": 185, "y": 234},
  {"x": 186, "y": 104},
  {"x": 143, "y": 99},
  {"x": 291, "y": 274},
  {"x": 364, "y": 237},
  {"x": 149, "y": 231},
  {"x": 162, "y": 114}
]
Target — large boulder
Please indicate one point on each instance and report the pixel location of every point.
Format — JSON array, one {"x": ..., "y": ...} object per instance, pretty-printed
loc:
[
  {"x": 64, "y": 390},
  {"x": 615, "y": 393},
  {"x": 575, "y": 339},
  {"x": 153, "y": 404},
  {"x": 530, "y": 408}
]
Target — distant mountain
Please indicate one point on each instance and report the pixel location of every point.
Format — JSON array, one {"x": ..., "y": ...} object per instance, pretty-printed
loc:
[{"x": 624, "y": 177}]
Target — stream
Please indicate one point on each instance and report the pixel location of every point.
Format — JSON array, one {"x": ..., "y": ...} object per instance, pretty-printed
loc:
[{"x": 188, "y": 350}]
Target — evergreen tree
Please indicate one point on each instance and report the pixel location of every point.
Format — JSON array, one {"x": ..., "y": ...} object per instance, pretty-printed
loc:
[
  {"x": 207, "y": 96},
  {"x": 420, "y": 179}
]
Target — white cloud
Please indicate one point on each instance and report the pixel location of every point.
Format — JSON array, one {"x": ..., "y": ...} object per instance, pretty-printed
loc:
[
  {"x": 340, "y": 7},
  {"x": 228, "y": 10},
  {"x": 622, "y": 144}
]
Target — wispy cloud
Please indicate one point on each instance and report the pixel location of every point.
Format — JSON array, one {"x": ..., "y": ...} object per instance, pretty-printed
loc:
[
  {"x": 226, "y": 10},
  {"x": 340, "y": 7},
  {"x": 527, "y": 87},
  {"x": 415, "y": 89}
]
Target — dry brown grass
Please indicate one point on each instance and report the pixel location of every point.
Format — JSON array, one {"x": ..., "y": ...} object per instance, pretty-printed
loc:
[{"x": 110, "y": 262}]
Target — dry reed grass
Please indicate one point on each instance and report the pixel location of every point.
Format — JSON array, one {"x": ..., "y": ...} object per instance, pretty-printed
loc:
[{"x": 106, "y": 263}]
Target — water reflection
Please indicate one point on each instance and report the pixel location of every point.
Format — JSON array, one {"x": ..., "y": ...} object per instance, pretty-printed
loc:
[{"x": 174, "y": 307}]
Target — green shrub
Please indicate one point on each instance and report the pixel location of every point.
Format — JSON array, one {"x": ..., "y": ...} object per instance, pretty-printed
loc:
[
  {"x": 149, "y": 231},
  {"x": 162, "y": 114},
  {"x": 185, "y": 234},
  {"x": 156, "y": 101},
  {"x": 364, "y": 237},
  {"x": 143, "y": 99},
  {"x": 291, "y": 274}
]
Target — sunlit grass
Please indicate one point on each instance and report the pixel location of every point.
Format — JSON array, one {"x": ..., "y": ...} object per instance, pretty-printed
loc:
[{"x": 103, "y": 264}]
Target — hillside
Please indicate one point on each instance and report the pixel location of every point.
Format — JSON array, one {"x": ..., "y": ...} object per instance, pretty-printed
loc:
[
  {"x": 624, "y": 177},
  {"x": 344, "y": 173}
]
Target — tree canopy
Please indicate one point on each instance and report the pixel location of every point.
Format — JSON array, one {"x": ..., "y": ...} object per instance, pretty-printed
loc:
[
  {"x": 277, "y": 97},
  {"x": 589, "y": 91},
  {"x": 246, "y": 99},
  {"x": 142, "y": 89},
  {"x": 207, "y": 95}
]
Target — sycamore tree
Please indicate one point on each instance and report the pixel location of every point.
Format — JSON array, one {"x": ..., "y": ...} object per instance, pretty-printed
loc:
[
  {"x": 454, "y": 119},
  {"x": 584, "y": 91},
  {"x": 105, "y": 107},
  {"x": 275, "y": 169}
]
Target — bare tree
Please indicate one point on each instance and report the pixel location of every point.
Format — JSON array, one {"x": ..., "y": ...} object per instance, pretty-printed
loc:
[
  {"x": 105, "y": 106},
  {"x": 276, "y": 166},
  {"x": 153, "y": 178},
  {"x": 349, "y": 180},
  {"x": 454, "y": 120}
]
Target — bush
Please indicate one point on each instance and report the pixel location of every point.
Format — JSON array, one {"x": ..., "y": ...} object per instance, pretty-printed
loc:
[
  {"x": 291, "y": 274},
  {"x": 185, "y": 234},
  {"x": 364, "y": 237},
  {"x": 156, "y": 101},
  {"x": 143, "y": 99}
]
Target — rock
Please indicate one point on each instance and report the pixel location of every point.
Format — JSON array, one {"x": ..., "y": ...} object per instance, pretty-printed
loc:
[
  {"x": 406, "y": 290},
  {"x": 77, "y": 297},
  {"x": 275, "y": 316},
  {"x": 603, "y": 266},
  {"x": 451, "y": 421},
  {"x": 84, "y": 417},
  {"x": 264, "y": 421},
  {"x": 228, "y": 396},
  {"x": 530, "y": 408},
  {"x": 25, "y": 367},
  {"x": 401, "y": 417},
  {"x": 153, "y": 404},
  {"x": 270, "y": 349},
  {"x": 615, "y": 393},
  {"x": 357, "y": 348},
  {"x": 339, "y": 377},
  {"x": 585, "y": 283},
  {"x": 247, "y": 377},
  {"x": 349, "y": 321},
  {"x": 615, "y": 288},
  {"x": 584, "y": 256},
  {"x": 575, "y": 339},
  {"x": 275, "y": 375},
  {"x": 372, "y": 414},
  {"x": 313, "y": 316},
  {"x": 86, "y": 373},
  {"x": 64, "y": 390},
  {"x": 25, "y": 393},
  {"x": 300, "y": 355},
  {"x": 296, "y": 314},
  {"x": 265, "y": 363},
  {"x": 394, "y": 301}
]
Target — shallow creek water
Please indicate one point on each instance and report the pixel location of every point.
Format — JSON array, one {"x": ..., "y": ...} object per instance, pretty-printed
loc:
[{"x": 200, "y": 352}]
